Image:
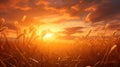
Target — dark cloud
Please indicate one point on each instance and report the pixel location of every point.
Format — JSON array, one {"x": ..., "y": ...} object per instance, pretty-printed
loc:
[
  {"x": 105, "y": 10},
  {"x": 91, "y": 10},
  {"x": 72, "y": 30},
  {"x": 115, "y": 25}
]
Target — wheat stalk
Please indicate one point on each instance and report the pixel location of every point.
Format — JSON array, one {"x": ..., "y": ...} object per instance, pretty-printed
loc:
[{"x": 3, "y": 64}]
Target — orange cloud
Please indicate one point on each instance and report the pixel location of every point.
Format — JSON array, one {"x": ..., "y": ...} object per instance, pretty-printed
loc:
[
  {"x": 86, "y": 10},
  {"x": 13, "y": 4},
  {"x": 24, "y": 8},
  {"x": 42, "y": 2},
  {"x": 91, "y": 8},
  {"x": 75, "y": 7}
]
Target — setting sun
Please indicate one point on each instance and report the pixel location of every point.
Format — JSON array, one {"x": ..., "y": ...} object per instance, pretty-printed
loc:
[{"x": 48, "y": 36}]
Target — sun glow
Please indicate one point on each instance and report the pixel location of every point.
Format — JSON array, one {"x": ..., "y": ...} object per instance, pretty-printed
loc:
[
  {"x": 47, "y": 36},
  {"x": 48, "y": 32}
]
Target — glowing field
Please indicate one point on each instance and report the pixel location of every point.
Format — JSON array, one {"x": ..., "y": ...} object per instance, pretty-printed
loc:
[
  {"x": 59, "y": 33},
  {"x": 85, "y": 51}
]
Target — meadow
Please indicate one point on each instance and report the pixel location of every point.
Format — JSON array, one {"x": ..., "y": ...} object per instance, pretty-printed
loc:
[{"x": 26, "y": 50}]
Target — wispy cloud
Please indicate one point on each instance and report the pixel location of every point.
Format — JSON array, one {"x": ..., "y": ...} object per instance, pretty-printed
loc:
[{"x": 72, "y": 30}]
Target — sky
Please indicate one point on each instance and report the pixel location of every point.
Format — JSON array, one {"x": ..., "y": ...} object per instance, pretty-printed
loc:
[{"x": 73, "y": 16}]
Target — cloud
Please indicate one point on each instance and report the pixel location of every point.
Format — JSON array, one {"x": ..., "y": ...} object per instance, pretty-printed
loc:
[
  {"x": 13, "y": 5},
  {"x": 105, "y": 10},
  {"x": 72, "y": 30},
  {"x": 87, "y": 10},
  {"x": 68, "y": 33},
  {"x": 114, "y": 25},
  {"x": 111, "y": 26},
  {"x": 91, "y": 10}
]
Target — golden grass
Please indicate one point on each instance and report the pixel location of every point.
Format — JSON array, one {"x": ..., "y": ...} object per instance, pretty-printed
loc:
[{"x": 25, "y": 51}]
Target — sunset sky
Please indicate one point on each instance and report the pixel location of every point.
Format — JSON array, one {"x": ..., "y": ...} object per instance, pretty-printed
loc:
[{"x": 63, "y": 16}]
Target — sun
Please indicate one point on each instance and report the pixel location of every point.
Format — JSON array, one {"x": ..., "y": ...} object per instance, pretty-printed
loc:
[{"x": 48, "y": 36}]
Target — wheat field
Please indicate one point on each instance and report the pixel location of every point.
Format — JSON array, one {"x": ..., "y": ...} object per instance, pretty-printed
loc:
[{"x": 86, "y": 51}]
